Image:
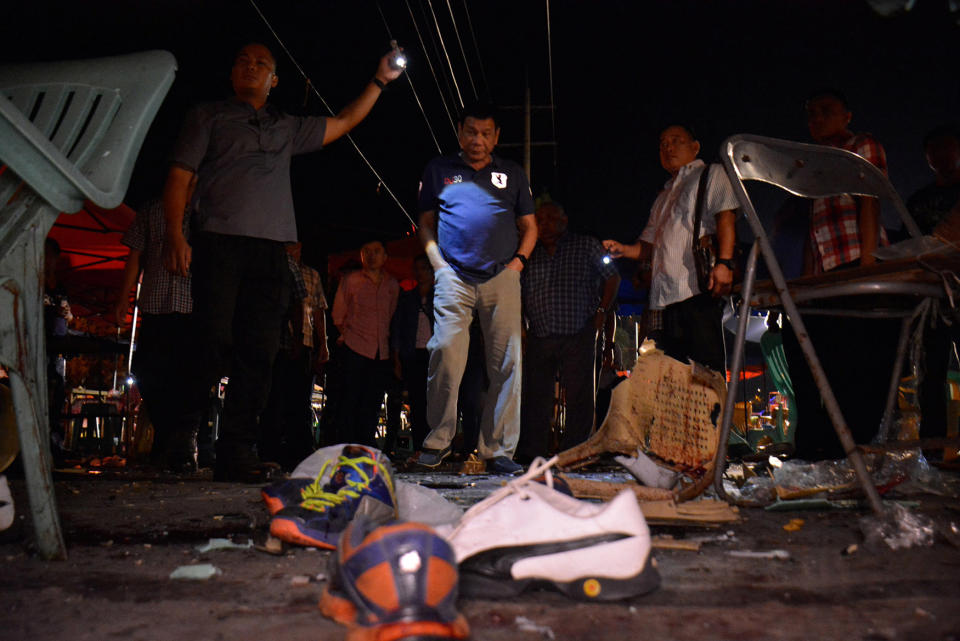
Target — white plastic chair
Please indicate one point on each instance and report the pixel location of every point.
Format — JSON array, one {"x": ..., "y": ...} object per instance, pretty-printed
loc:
[
  {"x": 69, "y": 131},
  {"x": 810, "y": 171}
]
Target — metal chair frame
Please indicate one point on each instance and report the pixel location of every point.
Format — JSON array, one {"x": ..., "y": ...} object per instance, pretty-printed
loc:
[{"x": 814, "y": 171}]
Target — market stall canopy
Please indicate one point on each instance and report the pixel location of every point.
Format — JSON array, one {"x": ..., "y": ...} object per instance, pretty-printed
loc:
[{"x": 92, "y": 258}]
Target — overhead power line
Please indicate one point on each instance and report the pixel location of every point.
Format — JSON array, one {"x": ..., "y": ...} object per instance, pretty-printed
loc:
[
  {"x": 453, "y": 76},
  {"x": 410, "y": 82},
  {"x": 327, "y": 107},
  {"x": 466, "y": 63}
]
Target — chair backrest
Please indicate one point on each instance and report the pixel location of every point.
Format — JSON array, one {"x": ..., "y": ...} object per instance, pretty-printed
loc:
[
  {"x": 811, "y": 171},
  {"x": 72, "y": 130}
]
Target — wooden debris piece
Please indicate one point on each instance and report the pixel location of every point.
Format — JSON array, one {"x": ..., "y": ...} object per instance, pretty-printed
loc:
[
  {"x": 666, "y": 542},
  {"x": 657, "y": 504}
]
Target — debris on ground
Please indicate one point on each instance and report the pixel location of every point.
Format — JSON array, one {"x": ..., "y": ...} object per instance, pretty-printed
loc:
[
  {"x": 526, "y": 625},
  {"x": 223, "y": 544},
  {"x": 794, "y": 525},
  {"x": 778, "y": 555},
  {"x": 898, "y": 528},
  {"x": 667, "y": 542},
  {"x": 198, "y": 572}
]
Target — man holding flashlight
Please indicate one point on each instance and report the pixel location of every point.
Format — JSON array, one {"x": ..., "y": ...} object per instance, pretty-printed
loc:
[
  {"x": 568, "y": 290},
  {"x": 241, "y": 151},
  {"x": 691, "y": 318},
  {"x": 472, "y": 205}
]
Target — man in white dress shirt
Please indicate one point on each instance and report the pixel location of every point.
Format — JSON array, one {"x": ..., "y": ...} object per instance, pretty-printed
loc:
[{"x": 690, "y": 326}]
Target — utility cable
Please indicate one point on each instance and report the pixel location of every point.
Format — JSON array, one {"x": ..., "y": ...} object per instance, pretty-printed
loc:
[
  {"x": 453, "y": 76},
  {"x": 324, "y": 103},
  {"x": 436, "y": 80},
  {"x": 410, "y": 81},
  {"x": 553, "y": 107},
  {"x": 463, "y": 53},
  {"x": 476, "y": 48}
]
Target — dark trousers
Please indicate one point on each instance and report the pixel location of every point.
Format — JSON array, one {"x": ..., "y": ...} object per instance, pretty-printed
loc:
[
  {"x": 472, "y": 395},
  {"x": 286, "y": 424},
  {"x": 241, "y": 287},
  {"x": 362, "y": 385},
  {"x": 414, "y": 370},
  {"x": 161, "y": 365},
  {"x": 692, "y": 330},
  {"x": 857, "y": 356},
  {"x": 573, "y": 358}
]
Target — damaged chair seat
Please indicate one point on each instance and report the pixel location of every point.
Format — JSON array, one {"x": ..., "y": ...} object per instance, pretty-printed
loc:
[{"x": 69, "y": 131}]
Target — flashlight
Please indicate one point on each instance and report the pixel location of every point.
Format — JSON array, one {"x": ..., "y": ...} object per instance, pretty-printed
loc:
[
  {"x": 607, "y": 259},
  {"x": 398, "y": 60}
]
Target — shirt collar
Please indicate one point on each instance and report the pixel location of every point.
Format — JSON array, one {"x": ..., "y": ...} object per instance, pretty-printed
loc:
[
  {"x": 684, "y": 172},
  {"x": 494, "y": 161}
]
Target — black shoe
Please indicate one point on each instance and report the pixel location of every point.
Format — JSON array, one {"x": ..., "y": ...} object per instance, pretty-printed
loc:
[
  {"x": 242, "y": 465},
  {"x": 503, "y": 465},
  {"x": 432, "y": 458}
]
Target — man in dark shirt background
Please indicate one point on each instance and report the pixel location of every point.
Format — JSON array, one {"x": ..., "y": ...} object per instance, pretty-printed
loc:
[
  {"x": 241, "y": 150},
  {"x": 567, "y": 291}
]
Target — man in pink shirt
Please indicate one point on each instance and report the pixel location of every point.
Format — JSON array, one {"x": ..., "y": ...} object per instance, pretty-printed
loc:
[{"x": 362, "y": 310}]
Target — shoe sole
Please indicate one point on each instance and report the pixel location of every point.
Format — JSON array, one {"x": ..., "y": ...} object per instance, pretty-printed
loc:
[
  {"x": 342, "y": 610},
  {"x": 588, "y": 588},
  {"x": 286, "y": 530},
  {"x": 434, "y": 465}
]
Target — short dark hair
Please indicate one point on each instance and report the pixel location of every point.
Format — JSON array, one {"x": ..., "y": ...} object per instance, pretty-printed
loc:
[
  {"x": 682, "y": 125},
  {"x": 828, "y": 92},
  {"x": 479, "y": 110},
  {"x": 942, "y": 132},
  {"x": 273, "y": 56}
]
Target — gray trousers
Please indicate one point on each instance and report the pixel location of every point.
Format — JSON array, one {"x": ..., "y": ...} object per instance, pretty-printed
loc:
[{"x": 497, "y": 302}]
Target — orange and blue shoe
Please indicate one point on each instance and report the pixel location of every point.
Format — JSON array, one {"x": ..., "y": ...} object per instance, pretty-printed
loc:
[
  {"x": 358, "y": 482},
  {"x": 394, "y": 582},
  {"x": 286, "y": 493}
]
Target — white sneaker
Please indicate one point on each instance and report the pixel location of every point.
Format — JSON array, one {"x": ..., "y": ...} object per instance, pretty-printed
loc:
[{"x": 527, "y": 534}]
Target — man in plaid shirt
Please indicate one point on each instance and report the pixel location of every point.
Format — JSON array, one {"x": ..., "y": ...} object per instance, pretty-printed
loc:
[
  {"x": 286, "y": 422},
  {"x": 844, "y": 232},
  {"x": 162, "y": 346},
  {"x": 843, "y": 229},
  {"x": 567, "y": 290}
]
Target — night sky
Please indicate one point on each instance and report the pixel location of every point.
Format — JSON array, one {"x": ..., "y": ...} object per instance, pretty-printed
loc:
[{"x": 621, "y": 72}]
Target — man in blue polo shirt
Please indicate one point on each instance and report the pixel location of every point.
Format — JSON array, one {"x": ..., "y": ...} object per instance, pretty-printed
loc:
[{"x": 472, "y": 205}]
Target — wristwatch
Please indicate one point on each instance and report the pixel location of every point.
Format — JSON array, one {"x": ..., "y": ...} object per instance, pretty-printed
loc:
[
  {"x": 726, "y": 262},
  {"x": 523, "y": 259}
]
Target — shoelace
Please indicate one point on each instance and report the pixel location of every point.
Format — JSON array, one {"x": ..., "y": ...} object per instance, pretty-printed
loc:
[
  {"x": 316, "y": 498},
  {"x": 518, "y": 485}
]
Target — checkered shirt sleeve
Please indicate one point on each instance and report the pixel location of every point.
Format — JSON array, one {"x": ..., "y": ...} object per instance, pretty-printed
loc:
[
  {"x": 834, "y": 229},
  {"x": 314, "y": 300},
  {"x": 561, "y": 292},
  {"x": 161, "y": 292}
]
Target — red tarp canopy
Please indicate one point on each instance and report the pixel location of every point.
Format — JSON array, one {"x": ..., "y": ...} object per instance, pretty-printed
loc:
[
  {"x": 91, "y": 261},
  {"x": 400, "y": 255}
]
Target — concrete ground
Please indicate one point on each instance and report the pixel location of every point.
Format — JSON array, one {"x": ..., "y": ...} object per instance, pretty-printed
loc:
[{"x": 127, "y": 531}]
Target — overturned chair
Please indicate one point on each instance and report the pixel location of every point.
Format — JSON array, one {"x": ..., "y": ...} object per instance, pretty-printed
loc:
[
  {"x": 903, "y": 288},
  {"x": 69, "y": 132}
]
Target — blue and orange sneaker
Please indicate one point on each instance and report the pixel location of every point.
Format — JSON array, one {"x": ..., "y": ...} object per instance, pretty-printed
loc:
[
  {"x": 360, "y": 483},
  {"x": 394, "y": 582},
  {"x": 285, "y": 493}
]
